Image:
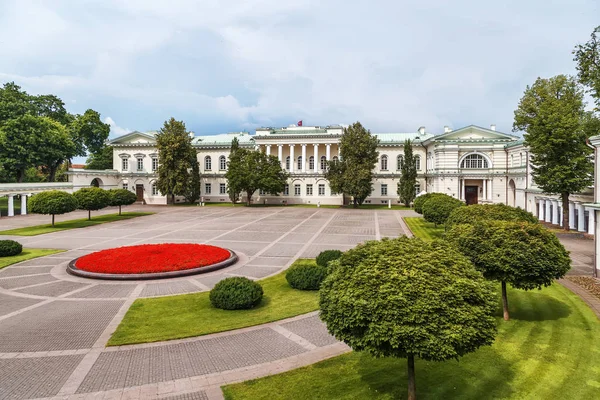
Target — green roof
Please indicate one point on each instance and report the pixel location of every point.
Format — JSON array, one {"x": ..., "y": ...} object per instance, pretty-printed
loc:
[
  {"x": 222, "y": 139},
  {"x": 402, "y": 137}
]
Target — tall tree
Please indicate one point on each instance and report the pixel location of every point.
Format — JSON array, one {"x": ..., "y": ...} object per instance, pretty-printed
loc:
[
  {"x": 89, "y": 132},
  {"x": 21, "y": 144},
  {"x": 101, "y": 160},
  {"x": 587, "y": 57},
  {"x": 56, "y": 146},
  {"x": 192, "y": 193},
  {"x": 14, "y": 102},
  {"x": 352, "y": 174},
  {"x": 51, "y": 106},
  {"x": 233, "y": 174},
  {"x": 175, "y": 153},
  {"x": 551, "y": 112},
  {"x": 408, "y": 179}
]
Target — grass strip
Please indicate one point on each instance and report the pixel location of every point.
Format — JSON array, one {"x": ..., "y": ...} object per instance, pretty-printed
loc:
[{"x": 27, "y": 254}]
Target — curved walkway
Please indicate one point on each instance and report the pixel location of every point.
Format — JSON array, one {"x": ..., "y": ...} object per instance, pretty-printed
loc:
[{"x": 54, "y": 326}]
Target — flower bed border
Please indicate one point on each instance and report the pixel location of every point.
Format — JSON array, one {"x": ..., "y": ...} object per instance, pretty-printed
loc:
[{"x": 73, "y": 270}]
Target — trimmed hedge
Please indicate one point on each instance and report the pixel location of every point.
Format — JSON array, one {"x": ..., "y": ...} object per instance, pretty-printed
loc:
[
  {"x": 488, "y": 212},
  {"x": 10, "y": 248},
  {"x": 306, "y": 277},
  {"x": 326, "y": 256},
  {"x": 437, "y": 208},
  {"x": 236, "y": 293},
  {"x": 420, "y": 200}
]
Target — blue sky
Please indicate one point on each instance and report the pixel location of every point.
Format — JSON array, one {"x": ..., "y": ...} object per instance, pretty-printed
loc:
[{"x": 237, "y": 65}]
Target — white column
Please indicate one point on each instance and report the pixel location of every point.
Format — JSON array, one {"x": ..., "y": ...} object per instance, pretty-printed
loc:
[
  {"x": 268, "y": 150},
  {"x": 581, "y": 218},
  {"x": 292, "y": 161},
  {"x": 591, "y": 221},
  {"x": 547, "y": 218},
  {"x": 555, "y": 212},
  {"x": 280, "y": 154},
  {"x": 485, "y": 189},
  {"x": 328, "y": 152},
  {"x": 316, "y": 155},
  {"x": 560, "y": 214},
  {"x": 23, "y": 204},
  {"x": 491, "y": 189},
  {"x": 304, "y": 158},
  {"x": 462, "y": 189},
  {"x": 11, "y": 205},
  {"x": 571, "y": 215},
  {"x": 540, "y": 209}
]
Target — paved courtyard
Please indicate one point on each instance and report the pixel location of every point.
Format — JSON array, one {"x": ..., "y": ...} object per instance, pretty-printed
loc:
[{"x": 54, "y": 326}]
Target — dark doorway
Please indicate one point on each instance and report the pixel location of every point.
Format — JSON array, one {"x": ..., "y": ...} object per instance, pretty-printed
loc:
[
  {"x": 471, "y": 194},
  {"x": 139, "y": 191}
]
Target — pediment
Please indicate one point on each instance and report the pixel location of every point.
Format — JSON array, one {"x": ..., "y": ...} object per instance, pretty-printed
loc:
[
  {"x": 473, "y": 132},
  {"x": 134, "y": 138}
]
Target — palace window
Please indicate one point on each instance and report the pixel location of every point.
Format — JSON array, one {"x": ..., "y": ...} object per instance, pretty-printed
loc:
[
  {"x": 125, "y": 186},
  {"x": 321, "y": 189},
  {"x": 207, "y": 188},
  {"x": 323, "y": 163},
  {"x": 384, "y": 160},
  {"x": 261, "y": 192},
  {"x": 154, "y": 164},
  {"x": 287, "y": 163},
  {"x": 417, "y": 188},
  {"x": 384, "y": 189},
  {"x": 418, "y": 163},
  {"x": 154, "y": 189},
  {"x": 335, "y": 159},
  {"x": 286, "y": 189},
  {"x": 474, "y": 161},
  {"x": 222, "y": 163},
  {"x": 222, "y": 188},
  {"x": 125, "y": 164},
  {"x": 309, "y": 189},
  {"x": 207, "y": 163},
  {"x": 399, "y": 162},
  {"x": 300, "y": 163},
  {"x": 140, "y": 164},
  {"x": 311, "y": 163},
  {"x": 297, "y": 190}
]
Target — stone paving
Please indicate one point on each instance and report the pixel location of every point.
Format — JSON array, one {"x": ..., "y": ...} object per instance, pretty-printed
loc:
[{"x": 54, "y": 327}]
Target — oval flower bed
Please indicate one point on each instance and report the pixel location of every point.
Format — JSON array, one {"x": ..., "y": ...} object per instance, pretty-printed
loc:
[{"x": 152, "y": 261}]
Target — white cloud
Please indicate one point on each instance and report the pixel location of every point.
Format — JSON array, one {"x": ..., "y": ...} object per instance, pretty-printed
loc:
[{"x": 115, "y": 130}]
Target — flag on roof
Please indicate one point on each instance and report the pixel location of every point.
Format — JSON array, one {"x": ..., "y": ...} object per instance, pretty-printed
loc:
[{"x": 300, "y": 123}]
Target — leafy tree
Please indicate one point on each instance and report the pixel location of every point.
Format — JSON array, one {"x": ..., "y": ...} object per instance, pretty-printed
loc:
[
  {"x": 408, "y": 179},
  {"x": 420, "y": 200},
  {"x": 192, "y": 193},
  {"x": 175, "y": 155},
  {"x": 14, "y": 102},
  {"x": 121, "y": 197},
  {"x": 438, "y": 208},
  {"x": 258, "y": 171},
  {"x": 21, "y": 143},
  {"x": 233, "y": 174},
  {"x": 526, "y": 255},
  {"x": 488, "y": 212},
  {"x": 408, "y": 298},
  {"x": 352, "y": 174},
  {"x": 92, "y": 199},
  {"x": 51, "y": 106},
  {"x": 552, "y": 114},
  {"x": 89, "y": 132},
  {"x": 52, "y": 202},
  {"x": 101, "y": 160},
  {"x": 56, "y": 146},
  {"x": 587, "y": 57}
]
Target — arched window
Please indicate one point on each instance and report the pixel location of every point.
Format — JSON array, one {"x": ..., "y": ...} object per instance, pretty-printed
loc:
[
  {"x": 207, "y": 163},
  {"x": 474, "y": 161},
  {"x": 335, "y": 159},
  {"x": 418, "y": 163},
  {"x": 384, "y": 160},
  {"x": 222, "y": 163},
  {"x": 300, "y": 163},
  {"x": 287, "y": 163},
  {"x": 399, "y": 162},
  {"x": 154, "y": 189},
  {"x": 311, "y": 162},
  {"x": 323, "y": 163}
]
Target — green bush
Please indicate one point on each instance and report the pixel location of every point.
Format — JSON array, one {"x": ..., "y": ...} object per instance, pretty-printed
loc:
[
  {"x": 326, "y": 256},
  {"x": 437, "y": 208},
  {"x": 121, "y": 197},
  {"x": 488, "y": 212},
  {"x": 236, "y": 293},
  {"x": 419, "y": 201},
  {"x": 92, "y": 199},
  {"x": 10, "y": 248},
  {"x": 306, "y": 276},
  {"x": 52, "y": 202}
]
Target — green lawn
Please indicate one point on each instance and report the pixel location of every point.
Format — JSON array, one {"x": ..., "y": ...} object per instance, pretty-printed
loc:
[
  {"x": 72, "y": 224},
  {"x": 176, "y": 317},
  {"x": 4, "y": 206},
  {"x": 424, "y": 230},
  {"x": 27, "y": 254},
  {"x": 549, "y": 350}
]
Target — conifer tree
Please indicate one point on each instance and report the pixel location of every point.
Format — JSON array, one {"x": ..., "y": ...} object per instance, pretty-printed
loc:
[{"x": 408, "y": 179}]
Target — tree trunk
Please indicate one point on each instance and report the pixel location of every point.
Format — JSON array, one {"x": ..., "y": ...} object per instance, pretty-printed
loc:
[
  {"x": 20, "y": 175},
  {"x": 249, "y": 197},
  {"x": 172, "y": 199},
  {"x": 505, "y": 301},
  {"x": 565, "y": 210},
  {"x": 354, "y": 203},
  {"x": 412, "y": 384},
  {"x": 52, "y": 174},
  {"x": 119, "y": 210},
  {"x": 89, "y": 215},
  {"x": 52, "y": 219}
]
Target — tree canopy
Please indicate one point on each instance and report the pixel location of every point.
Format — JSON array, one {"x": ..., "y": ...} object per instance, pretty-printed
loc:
[
  {"x": 352, "y": 174},
  {"x": 52, "y": 202},
  {"x": 438, "y": 208},
  {"x": 408, "y": 298},
  {"x": 234, "y": 174},
  {"x": 552, "y": 115},
  {"x": 587, "y": 57},
  {"x": 408, "y": 179},
  {"x": 526, "y": 255},
  {"x": 488, "y": 212},
  {"x": 92, "y": 199},
  {"x": 121, "y": 197},
  {"x": 101, "y": 160}
]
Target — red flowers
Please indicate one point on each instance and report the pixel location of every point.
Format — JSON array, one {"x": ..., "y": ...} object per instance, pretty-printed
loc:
[{"x": 150, "y": 258}]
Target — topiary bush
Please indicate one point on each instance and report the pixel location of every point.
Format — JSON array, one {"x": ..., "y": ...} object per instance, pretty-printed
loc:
[
  {"x": 52, "y": 202},
  {"x": 419, "y": 201},
  {"x": 121, "y": 197},
  {"x": 306, "y": 276},
  {"x": 437, "y": 209},
  {"x": 92, "y": 199},
  {"x": 10, "y": 248},
  {"x": 236, "y": 293},
  {"x": 326, "y": 256},
  {"x": 488, "y": 212}
]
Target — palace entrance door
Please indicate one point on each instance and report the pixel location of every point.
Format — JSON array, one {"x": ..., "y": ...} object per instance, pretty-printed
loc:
[
  {"x": 471, "y": 194},
  {"x": 139, "y": 191}
]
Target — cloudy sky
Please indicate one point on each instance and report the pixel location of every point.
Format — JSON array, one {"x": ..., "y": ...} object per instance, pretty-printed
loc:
[{"x": 236, "y": 65}]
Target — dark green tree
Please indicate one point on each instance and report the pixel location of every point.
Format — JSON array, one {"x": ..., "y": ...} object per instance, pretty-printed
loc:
[
  {"x": 121, "y": 197},
  {"x": 88, "y": 132},
  {"x": 234, "y": 174},
  {"x": 587, "y": 57},
  {"x": 526, "y": 255},
  {"x": 552, "y": 114},
  {"x": 52, "y": 202},
  {"x": 488, "y": 212},
  {"x": 101, "y": 160},
  {"x": 410, "y": 299},
  {"x": 408, "y": 179},
  {"x": 51, "y": 106},
  {"x": 192, "y": 193},
  {"x": 56, "y": 146},
  {"x": 420, "y": 200},
  {"x": 352, "y": 175},
  {"x": 260, "y": 172},
  {"x": 14, "y": 102},
  {"x": 438, "y": 208},
  {"x": 92, "y": 199},
  {"x": 21, "y": 144},
  {"x": 175, "y": 154}
]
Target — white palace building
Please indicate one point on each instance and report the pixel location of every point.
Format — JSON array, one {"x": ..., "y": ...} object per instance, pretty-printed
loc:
[{"x": 474, "y": 164}]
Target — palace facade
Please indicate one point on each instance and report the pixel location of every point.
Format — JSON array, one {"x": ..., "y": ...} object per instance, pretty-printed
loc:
[{"x": 473, "y": 164}]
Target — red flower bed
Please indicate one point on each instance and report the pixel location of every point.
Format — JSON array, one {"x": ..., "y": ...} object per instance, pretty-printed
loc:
[{"x": 152, "y": 258}]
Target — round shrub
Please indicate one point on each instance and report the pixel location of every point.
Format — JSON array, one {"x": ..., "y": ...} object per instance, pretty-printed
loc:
[
  {"x": 420, "y": 200},
  {"x": 10, "y": 248},
  {"x": 236, "y": 293},
  {"x": 437, "y": 209},
  {"x": 52, "y": 202},
  {"x": 306, "y": 276},
  {"x": 488, "y": 212},
  {"x": 328, "y": 255}
]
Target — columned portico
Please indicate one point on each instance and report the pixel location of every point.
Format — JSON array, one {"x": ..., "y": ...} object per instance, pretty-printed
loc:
[
  {"x": 11, "y": 205},
  {"x": 554, "y": 212},
  {"x": 591, "y": 221},
  {"x": 581, "y": 219},
  {"x": 292, "y": 161},
  {"x": 23, "y": 204},
  {"x": 328, "y": 152},
  {"x": 541, "y": 209},
  {"x": 268, "y": 149},
  {"x": 571, "y": 215},
  {"x": 280, "y": 153},
  {"x": 485, "y": 193},
  {"x": 316, "y": 156},
  {"x": 303, "y": 158},
  {"x": 548, "y": 214}
]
